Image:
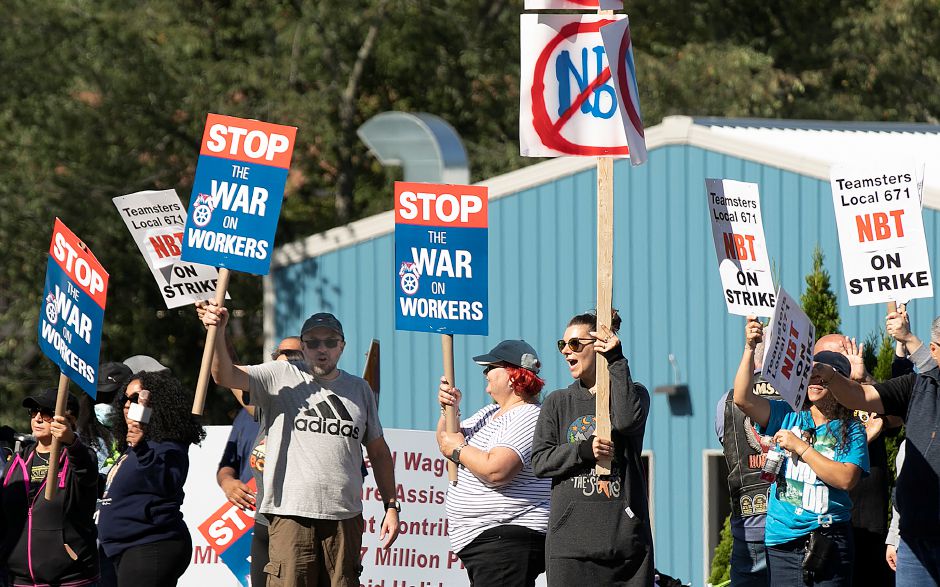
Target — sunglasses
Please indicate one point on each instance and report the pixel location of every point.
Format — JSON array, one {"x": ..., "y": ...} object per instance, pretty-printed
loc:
[
  {"x": 314, "y": 343},
  {"x": 489, "y": 368},
  {"x": 46, "y": 414},
  {"x": 575, "y": 344}
]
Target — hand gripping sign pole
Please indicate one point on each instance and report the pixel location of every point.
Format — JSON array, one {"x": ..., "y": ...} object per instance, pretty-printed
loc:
[
  {"x": 205, "y": 367},
  {"x": 233, "y": 211},
  {"x": 61, "y": 400},
  {"x": 450, "y": 412}
]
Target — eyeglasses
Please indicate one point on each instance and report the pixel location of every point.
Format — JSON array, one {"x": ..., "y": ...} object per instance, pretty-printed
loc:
[
  {"x": 575, "y": 344},
  {"x": 314, "y": 343},
  {"x": 489, "y": 368},
  {"x": 46, "y": 414}
]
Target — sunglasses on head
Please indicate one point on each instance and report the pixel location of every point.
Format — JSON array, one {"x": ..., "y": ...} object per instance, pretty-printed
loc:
[
  {"x": 575, "y": 344},
  {"x": 314, "y": 343},
  {"x": 46, "y": 414}
]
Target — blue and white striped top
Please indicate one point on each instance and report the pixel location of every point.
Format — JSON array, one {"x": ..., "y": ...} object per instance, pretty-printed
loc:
[{"x": 474, "y": 506}]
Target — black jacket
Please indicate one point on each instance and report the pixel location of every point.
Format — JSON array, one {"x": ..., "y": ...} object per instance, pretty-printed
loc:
[{"x": 51, "y": 542}]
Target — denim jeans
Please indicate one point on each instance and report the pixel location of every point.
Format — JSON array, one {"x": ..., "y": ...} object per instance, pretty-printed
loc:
[
  {"x": 918, "y": 562},
  {"x": 785, "y": 561},
  {"x": 748, "y": 564}
]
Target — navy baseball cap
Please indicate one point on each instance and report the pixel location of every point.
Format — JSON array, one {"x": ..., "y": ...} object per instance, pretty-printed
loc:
[
  {"x": 514, "y": 352},
  {"x": 323, "y": 320},
  {"x": 45, "y": 401},
  {"x": 835, "y": 360}
]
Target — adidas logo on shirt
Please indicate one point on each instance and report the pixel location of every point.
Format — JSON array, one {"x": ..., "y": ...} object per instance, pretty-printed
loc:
[{"x": 327, "y": 416}]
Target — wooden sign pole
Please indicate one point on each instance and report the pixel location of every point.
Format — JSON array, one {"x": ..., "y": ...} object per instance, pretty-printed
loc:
[
  {"x": 605, "y": 261},
  {"x": 205, "y": 369},
  {"x": 61, "y": 401},
  {"x": 450, "y": 412}
]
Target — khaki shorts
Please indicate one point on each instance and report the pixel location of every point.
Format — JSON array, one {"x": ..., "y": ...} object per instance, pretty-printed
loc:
[{"x": 305, "y": 552}]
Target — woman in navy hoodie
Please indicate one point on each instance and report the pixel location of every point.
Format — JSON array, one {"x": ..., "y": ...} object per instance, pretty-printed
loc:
[
  {"x": 140, "y": 524},
  {"x": 50, "y": 542}
]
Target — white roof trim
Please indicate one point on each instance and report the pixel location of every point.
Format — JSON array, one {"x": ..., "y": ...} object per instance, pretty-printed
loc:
[{"x": 673, "y": 130}]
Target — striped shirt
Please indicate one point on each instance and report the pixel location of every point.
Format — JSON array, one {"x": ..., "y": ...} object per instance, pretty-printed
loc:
[{"x": 474, "y": 506}]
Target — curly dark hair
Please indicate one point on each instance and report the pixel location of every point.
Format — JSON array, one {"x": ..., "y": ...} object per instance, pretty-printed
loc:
[
  {"x": 171, "y": 418},
  {"x": 589, "y": 319}
]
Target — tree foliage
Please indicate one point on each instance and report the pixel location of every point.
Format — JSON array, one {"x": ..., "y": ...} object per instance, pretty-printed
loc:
[
  {"x": 818, "y": 300},
  {"x": 105, "y": 98}
]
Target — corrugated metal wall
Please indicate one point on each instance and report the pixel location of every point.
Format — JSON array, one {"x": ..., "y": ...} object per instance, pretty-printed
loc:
[{"x": 666, "y": 286}]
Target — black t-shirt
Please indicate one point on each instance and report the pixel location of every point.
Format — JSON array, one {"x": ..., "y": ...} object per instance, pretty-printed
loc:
[
  {"x": 896, "y": 394},
  {"x": 38, "y": 470}
]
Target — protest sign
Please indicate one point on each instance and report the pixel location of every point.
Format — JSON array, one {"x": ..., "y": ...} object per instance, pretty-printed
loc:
[
  {"x": 237, "y": 193},
  {"x": 738, "y": 233},
  {"x": 72, "y": 315},
  {"x": 567, "y": 102},
  {"x": 881, "y": 233},
  {"x": 422, "y": 552},
  {"x": 788, "y": 353},
  {"x": 155, "y": 221},
  {"x": 617, "y": 42},
  {"x": 441, "y": 258},
  {"x": 574, "y": 4}
]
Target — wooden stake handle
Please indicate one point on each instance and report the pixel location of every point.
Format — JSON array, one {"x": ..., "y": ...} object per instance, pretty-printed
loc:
[
  {"x": 61, "y": 401},
  {"x": 892, "y": 307},
  {"x": 450, "y": 412},
  {"x": 605, "y": 261},
  {"x": 205, "y": 369}
]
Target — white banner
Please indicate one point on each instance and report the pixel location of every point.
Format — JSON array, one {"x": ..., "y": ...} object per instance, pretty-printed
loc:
[
  {"x": 738, "y": 232},
  {"x": 155, "y": 220},
  {"x": 881, "y": 233},
  {"x": 421, "y": 557},
  {"x": 788, "y": 354}
]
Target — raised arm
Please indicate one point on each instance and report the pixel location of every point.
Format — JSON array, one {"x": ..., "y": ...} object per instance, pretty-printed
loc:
[
  {"x": 755, "y": 406},
  {"x": 850, "y": 394},
  {"x": 224, "y": 371},
  {"x": 629, "y": 403}
]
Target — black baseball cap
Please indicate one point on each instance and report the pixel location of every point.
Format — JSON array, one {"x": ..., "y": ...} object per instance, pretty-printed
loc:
[
  {"x": 835, "y": 360},
  {"x": 111, "y": 378},
  {"x": 323, "y": 320},
  {"x": 514, "y": 352},
  {"x": 45, "y": 401}
]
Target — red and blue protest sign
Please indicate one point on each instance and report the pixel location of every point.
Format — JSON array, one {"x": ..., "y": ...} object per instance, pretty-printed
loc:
[
  {"x": 441, "y": 258},
  {"x": 237, "y": 193},
  {"x": 568, "y": 100},
  {"x": 73, "y": 302},
  {"x": 229, "y": 531}
]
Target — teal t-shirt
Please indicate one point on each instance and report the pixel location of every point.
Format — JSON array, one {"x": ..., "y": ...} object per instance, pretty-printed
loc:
[{"x": 799, "y": 499}]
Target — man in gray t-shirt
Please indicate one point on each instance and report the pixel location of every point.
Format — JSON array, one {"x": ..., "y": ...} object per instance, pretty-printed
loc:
[{"x": 317, "y": 423}]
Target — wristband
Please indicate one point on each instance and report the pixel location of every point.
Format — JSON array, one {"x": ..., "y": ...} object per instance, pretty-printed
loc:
[{"x": 808, "y": 447}]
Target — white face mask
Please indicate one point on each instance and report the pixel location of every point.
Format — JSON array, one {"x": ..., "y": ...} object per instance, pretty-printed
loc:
[{"x": 103, "y": 413}]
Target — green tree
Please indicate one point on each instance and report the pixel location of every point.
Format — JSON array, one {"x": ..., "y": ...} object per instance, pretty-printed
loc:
[
  {"x": 818, "y": 300},
  {"x": 721, "y": 560}
]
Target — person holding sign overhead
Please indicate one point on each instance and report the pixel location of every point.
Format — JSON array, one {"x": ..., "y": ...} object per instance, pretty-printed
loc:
[
  {"x": 808, "y": 531},
  {"x": 498, "y": 511},
  {"x": 318, "y": 420},
  {"x": 50, "y": 542},
  {"x": 599, "y": 528},
  {"x": 140, "y": 524}
]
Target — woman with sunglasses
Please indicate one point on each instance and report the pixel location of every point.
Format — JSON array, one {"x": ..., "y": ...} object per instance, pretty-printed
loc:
[
  {"x": 599, "y": 528},
  {"x": 498, "y": 511},
  {"x": 140, "y": 524},
  {"x": 827, "y": 453},
  {"x": 50, "y": 542}
]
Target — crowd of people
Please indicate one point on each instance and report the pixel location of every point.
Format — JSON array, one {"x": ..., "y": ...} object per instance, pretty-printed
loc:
[
  {"x": 527, "y": 499},
  {"x": 822, "y": 518}
]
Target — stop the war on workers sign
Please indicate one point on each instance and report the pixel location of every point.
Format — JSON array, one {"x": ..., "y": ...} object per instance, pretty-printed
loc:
[
  {"x": 738, "y": 232},
  {"x": 788, "y": 353},
  {"x": 155, "y": 221},
  {"x": 441, "y": 251},
  {"x": 881, "y": 233},
  {"x": 237, "y": 193},
  {"x": 72, "y": 313},
  {"x": 568, "y": 100}
]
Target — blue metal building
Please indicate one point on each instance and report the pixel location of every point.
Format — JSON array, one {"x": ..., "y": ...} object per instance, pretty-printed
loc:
[{"x": 666, "y": 285}]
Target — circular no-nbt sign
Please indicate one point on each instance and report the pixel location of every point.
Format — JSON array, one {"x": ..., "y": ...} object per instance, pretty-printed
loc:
[{"x": 574, "y": 107}]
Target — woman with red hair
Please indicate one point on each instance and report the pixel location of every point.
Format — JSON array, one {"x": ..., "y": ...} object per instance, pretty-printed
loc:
[{"x": 498, "y": 511}]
